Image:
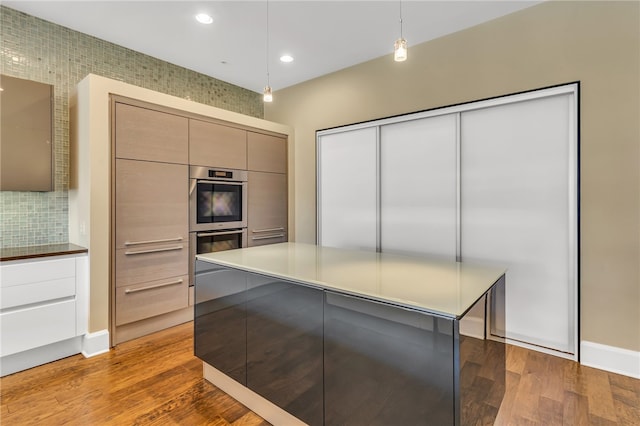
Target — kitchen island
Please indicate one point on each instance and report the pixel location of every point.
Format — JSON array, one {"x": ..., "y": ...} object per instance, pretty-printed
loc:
[{"x": 318, "y": 335}]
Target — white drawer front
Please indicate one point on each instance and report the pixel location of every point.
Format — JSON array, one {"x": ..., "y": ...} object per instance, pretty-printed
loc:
[
  {"x": 36, "y": 271},
  {"x": 26, "y": 294},
  {"x": 37, "y": 326}
]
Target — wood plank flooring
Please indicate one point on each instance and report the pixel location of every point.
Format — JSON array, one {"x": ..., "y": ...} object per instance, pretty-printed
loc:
[{"x": 156, "y": 380}]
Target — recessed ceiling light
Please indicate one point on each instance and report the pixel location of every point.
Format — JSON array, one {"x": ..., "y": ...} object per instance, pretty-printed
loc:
[
  {"x": 203, "y": 18},
  {"x": 286, "y": 58}
]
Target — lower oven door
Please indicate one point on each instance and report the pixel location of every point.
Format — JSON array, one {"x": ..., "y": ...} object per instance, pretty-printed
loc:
[{"x": 212, "y": 241}]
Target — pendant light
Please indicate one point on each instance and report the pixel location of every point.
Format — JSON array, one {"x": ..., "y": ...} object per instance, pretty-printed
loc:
[
  {"x": 267, "y": 96},
  {"x": 400, "y": 47}
]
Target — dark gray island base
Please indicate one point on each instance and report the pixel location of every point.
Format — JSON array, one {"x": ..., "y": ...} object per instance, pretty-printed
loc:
[{"x": 329, "y": 355}]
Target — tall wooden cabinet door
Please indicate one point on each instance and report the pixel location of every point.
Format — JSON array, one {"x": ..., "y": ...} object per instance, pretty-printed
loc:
[
  {"x": 418, "y": 187},
  {"x": 519, "y": 198},
  {"x": 152, "y": 203},
  {"x": 216, "y": 145},
  {"x": 347, "y": 189},
  {"x": 145, "y": 134},
  {"x": 267, "y": 214},
  {"x": 266, "y": 153}
]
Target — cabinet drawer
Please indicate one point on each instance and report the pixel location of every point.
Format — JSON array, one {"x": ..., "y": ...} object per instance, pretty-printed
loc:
[
  {"x": 37, "y": 271},
  {"x": 148, "y": 299},
  {"x": 29, "y": 328},
  {"x": 261, "y": 239},
  {"x": 151, "y": 262},
  {"x": 42, "y": 291}
]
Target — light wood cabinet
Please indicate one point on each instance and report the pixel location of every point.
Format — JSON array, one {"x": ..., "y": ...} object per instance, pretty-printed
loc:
[
  {"x": 266, "y": 153},
  {"x": 146, "y": 134},
  {"x": 267, "y": 209},
  {"x": 151, "y": 203},
  {"x": 152, "y": 216},
  {"x": 216, "y": 145},
  {"x": 144, "y": 300},
  {"x": 26, "y": 135},
  {"x": 151, "y": 219}
]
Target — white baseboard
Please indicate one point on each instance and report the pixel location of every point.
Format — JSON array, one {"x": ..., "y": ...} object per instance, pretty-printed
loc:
[
  {"x": 95, "y": 343},
  {"x": 610, "y": 358},
  {"x": 13, "y": 363}
]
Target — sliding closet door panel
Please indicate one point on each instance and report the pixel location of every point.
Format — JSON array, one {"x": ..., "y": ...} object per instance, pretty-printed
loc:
[
  {"x": 347, "y": 189},
  {"x": 418, "y": 186},
  {"x": 517, "y": 210}
]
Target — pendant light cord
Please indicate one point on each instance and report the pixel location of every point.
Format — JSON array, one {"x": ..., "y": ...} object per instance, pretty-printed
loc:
[
  {"x": 401, "y": 36},
  {"x": 268, "y": 83}
]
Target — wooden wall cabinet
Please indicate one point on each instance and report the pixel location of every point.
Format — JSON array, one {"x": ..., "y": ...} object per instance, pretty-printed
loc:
[
  {"x": 152, "y": 153},
  {"x": 267, "y": 215},
  {"x": 146, "y": 134},
  {"x": 26, "y": 141},
  {"x": 151, "y": 231},
  {"x": 216, "y": 145},
  {"x": 266, "y": 153},
  {"x": 268, "y": 190}
]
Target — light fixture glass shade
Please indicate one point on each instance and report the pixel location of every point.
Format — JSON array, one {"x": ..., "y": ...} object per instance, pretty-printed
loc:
[
  {"x": 267, "y": 95},
  {"x": 400, "y": 50}
]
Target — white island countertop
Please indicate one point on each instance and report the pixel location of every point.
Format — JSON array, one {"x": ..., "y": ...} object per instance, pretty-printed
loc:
[{"x": 435, "y": 286}]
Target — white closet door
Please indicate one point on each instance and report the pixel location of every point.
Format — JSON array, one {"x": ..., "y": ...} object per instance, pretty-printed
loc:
[
  {"x": 347, "y": 189},
  {"x": 418, "y": 169},
  {"x": 518, "y": 210}
]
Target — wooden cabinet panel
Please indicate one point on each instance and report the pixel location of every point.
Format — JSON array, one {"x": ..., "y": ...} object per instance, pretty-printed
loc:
[
  {"x": 267, "y": 204},
  {"x": 145, "y": 300},
  {"x": 266, "y": 153},
  {"x": 26, "y": 135},
  {"x": 151, "y": 262},
  {"x": 145, "y": 134},
  {"x": 217, "y": 145},
  {"x": 152, "y": 203}
]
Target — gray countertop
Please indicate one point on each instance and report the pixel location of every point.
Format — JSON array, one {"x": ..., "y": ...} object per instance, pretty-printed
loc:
[{"x": 435, "y": 286}]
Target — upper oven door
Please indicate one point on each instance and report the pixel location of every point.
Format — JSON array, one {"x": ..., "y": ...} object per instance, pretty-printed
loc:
[{"x": 217, "y": 205}]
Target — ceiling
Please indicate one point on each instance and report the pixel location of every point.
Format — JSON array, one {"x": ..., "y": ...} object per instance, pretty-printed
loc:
[{"x": 322, "y": 36}]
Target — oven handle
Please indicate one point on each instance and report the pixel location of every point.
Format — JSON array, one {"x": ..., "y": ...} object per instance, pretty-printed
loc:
[
  {"x": 195, "y": 182},
  {"x": 226, "y": 182},
  {"x": 213, "y": 234}
]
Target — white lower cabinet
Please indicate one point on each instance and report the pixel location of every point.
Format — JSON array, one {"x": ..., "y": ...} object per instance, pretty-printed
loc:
[{"x": 43, "y": 303}]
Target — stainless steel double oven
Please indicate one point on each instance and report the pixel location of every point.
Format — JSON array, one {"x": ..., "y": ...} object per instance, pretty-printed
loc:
[{"x": 217, "y": 211}]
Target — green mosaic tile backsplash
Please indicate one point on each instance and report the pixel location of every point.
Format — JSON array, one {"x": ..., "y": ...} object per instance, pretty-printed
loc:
[{"x": 34, "y": 49}]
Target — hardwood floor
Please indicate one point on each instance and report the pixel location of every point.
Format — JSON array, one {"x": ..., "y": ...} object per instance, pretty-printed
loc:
[{"x": 157, "y": 380}]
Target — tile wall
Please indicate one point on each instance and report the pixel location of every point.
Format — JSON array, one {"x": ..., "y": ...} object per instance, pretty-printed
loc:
[{"x": 35, "y": 49}]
